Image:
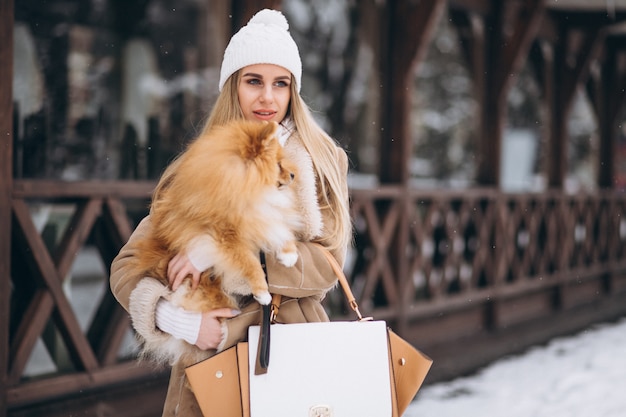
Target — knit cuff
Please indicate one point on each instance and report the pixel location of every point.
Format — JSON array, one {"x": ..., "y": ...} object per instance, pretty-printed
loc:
[{"x": 180, "y": 323}]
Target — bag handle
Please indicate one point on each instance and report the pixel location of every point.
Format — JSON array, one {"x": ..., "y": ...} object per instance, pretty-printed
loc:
[
  {"x": 343, "y": 281},
  {"x": 270, "y": 312},
  {"x": 263, "y": 353}
]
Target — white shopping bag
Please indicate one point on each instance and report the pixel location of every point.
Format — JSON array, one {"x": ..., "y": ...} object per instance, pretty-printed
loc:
[{"x": 322, "y": 369}]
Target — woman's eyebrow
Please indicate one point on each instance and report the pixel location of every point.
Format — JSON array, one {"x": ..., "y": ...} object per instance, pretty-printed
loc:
[{"x": 254, "y": 75}]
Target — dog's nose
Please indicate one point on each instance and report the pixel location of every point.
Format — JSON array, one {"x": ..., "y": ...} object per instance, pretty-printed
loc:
[{"x": 292, "y": 175}]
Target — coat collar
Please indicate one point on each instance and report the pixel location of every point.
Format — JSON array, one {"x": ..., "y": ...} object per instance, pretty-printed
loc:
[{"x": 285, "y": 129}]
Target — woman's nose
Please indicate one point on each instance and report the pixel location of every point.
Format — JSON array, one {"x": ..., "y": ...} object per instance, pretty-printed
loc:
[{"x": 267, "y": 95}]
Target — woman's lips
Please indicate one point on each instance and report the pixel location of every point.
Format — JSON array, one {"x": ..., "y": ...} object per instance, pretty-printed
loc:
[{"x": 264, "y": 114}]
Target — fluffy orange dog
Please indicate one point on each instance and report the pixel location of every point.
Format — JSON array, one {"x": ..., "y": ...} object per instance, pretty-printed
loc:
[{"x": 230, "y": 187}]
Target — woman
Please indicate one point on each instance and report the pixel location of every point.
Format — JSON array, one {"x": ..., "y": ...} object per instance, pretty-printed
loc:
[{"x": 260, "y": 80}]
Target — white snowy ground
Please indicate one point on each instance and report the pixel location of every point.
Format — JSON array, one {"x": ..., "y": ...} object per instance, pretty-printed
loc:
[{"x": 579, "y": 376}]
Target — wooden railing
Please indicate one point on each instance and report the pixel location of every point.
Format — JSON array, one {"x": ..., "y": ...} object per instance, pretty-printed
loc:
[
  {"x": 508, "y": 258},
  {"x": 96, "y": 213},
  {"x": 439, "y": 266}
]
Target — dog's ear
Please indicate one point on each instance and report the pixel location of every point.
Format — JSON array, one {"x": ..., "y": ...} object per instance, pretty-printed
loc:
[
  {"x": 262, "y": 138},
  {"x": 268, "y": 132}
]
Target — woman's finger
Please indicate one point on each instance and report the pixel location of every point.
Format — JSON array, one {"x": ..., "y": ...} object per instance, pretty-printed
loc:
[
  {"x": 195, "y": 277},
  {"x": 224, "y": 313},
  {"x": 178, "y": 278},
  {"x": 173, "y": 268}
]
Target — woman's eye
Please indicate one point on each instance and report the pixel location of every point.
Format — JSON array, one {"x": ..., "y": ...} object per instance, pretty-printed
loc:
[
  {"x": 254, "y": 81},
  {"x": 281, "y": 84}
]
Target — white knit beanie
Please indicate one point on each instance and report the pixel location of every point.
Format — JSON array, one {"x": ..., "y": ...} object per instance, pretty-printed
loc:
[{"x": 264, "y": 40}]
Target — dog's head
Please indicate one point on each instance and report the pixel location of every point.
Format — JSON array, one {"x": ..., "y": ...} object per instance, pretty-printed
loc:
[
  {"x": 259, "y": 146},
  {"x": 286, "y": 172}
]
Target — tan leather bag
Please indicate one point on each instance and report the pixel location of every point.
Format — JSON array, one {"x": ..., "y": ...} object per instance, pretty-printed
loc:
[{"x": 221, "y": 383}]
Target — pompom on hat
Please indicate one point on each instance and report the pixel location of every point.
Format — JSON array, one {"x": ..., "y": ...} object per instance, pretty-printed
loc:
[{"x": 264, "y": 40}]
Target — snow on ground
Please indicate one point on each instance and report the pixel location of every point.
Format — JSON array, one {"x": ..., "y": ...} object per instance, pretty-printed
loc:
[{"x": 578, "y": 376}]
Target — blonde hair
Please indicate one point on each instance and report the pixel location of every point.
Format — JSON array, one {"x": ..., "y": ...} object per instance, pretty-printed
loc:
[
  {"x": 226, "y": 109},
  {"x": 325, "y": 154}
]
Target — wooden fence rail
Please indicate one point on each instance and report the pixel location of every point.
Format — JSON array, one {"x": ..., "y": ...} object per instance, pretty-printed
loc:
[
  {"x": 442, "y": 267},
  {"x": 482, "y": 244}
]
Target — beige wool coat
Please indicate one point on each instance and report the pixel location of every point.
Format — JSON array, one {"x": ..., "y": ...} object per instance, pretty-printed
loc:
[{"x": 302, "y": 286}]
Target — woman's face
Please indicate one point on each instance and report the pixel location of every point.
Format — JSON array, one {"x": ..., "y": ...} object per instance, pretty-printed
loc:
[{"x": 264, "y": 92}]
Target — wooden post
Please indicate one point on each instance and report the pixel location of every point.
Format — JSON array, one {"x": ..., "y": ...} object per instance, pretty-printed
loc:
[
  {"x": 608, "y": 99},
  {"x": 405, "y": 36},
  {"x": 505, "y": 54},
  {"x": 471, "y": 31},
  {"x": 557, "y": 151},
  {"x": 6, "y": 188},
  {"x": 567, "y": 79}
]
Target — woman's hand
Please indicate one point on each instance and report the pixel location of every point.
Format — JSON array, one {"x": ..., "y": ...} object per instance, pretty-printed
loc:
[
  {"x": 179, "y": 268},
  {"x": 210, "y": 334},
  {"x": 194, "y": 260}
]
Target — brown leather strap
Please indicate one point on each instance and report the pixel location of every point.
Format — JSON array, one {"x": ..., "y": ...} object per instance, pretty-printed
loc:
[
  {"x": 263, "y": 353},
  {"x": 343, "y": 281}
]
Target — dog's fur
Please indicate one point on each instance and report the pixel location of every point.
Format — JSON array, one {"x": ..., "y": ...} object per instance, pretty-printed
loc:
[{"x": 232, "y": 186}]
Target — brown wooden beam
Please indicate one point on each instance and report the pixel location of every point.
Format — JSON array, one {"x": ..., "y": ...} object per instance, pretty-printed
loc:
[
  {"x": 572, "y": 63},
  {"x": 407, "y": 31},
  {"x": 515, "y": 51},
  {"x": 505, "y": 55},
  {"x": 548, "y": 31},
  {"x": 471, "y": 33},
  {"x": 108, "y": 329},
  {"x": 571, "y": 77},
  {"x": 80, "y": 351},
  {"x": 607, "y": 92},
  {"x": 57, "y": 189},
  {"x": 32, "y": 324},
  {"x": 111, "y": 321},
  {"x": 76, "y": 234},
  {"x": 545, "y": 68},
  {"x": 214, "y": 31},
  {"x": 38, "y": 390},
  {"x": 6, "y": 184}
]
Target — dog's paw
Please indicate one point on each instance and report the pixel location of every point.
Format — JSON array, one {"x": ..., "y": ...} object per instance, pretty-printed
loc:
[
  {"x": 263, "y": 298},
  {"x": 287, "y": 258}
]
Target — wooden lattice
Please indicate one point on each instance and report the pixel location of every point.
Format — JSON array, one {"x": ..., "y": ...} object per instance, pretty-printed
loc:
[
  {"x": 40, "y": 303},
  {"x": 418, "y": 256}
]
